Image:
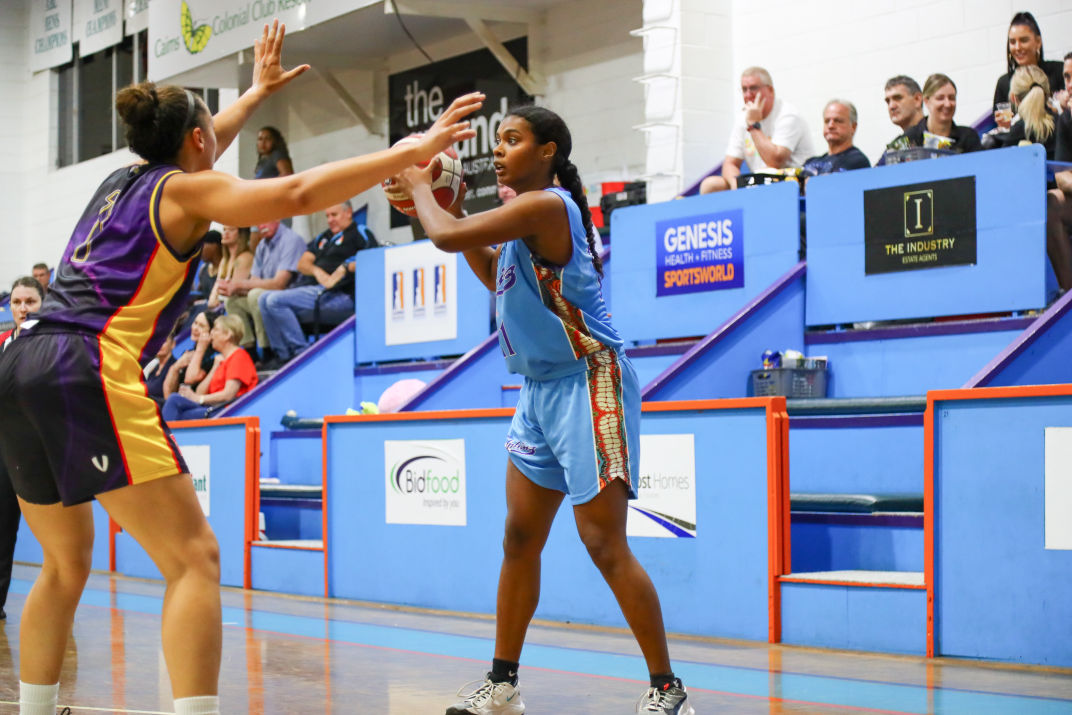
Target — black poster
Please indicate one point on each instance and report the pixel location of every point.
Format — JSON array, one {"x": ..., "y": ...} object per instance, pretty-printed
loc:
[
  {"x": 920, "y": 226},
  {"x": 418, "y": 96}
]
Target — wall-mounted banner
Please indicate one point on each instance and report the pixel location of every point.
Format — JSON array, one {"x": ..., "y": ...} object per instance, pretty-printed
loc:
[
  {"x": 198, "y": 458},
  {"x": 425, "y": 481},
  {"x": 666, "y": 492},
  {"x": 920, "y": 226},
  {"x": 699, "y": 253},
  {"x": 50, "y": 33},
  {"x": 184, "y": 34},
  {"x": 136, "y": 15},
  {"x": 420, "y": 294},
  {"x": 97, "y": 24},
  {"x": 416, "y": 97}
]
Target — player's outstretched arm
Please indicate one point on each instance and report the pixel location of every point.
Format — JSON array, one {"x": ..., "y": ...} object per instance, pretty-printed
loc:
[{"x": 268, "y": 78}]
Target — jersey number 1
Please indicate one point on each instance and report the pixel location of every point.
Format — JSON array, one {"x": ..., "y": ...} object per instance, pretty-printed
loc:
[
  {"x": 504, "y": 341},
  {"x": 81, "y": 253}
]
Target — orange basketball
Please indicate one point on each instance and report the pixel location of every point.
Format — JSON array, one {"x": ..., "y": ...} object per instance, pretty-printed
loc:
[{"x": 446, "y": 180}]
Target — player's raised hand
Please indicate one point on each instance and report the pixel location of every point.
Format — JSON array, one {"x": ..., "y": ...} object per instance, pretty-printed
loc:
[
  {"x": 451, "y": 126},
  {"x": 268, "y": 73}
]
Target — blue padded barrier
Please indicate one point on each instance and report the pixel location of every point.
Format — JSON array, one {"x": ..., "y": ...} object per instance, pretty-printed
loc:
[
  {"x": 28, "y": 549},
  {"x": 1011, "y": 272},
  {"x": 1037, "y": 356}
]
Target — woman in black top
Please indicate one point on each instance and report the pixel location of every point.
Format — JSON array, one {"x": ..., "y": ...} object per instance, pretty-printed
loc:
[
  {"x": 1024, "y": 48},
  {"x": 273, "y": 158},
  {"x": 937, "y": 129}
]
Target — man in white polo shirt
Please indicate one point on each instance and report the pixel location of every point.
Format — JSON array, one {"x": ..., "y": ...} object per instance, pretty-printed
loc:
[{"x": 769, "y": 134}]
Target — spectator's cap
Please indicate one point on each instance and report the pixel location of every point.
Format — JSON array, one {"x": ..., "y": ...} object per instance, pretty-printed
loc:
[{"x": 212, "y": 237}]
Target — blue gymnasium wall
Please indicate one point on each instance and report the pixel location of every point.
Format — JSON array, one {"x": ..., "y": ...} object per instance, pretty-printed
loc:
[
  {"x": 28, "y": 549},
  {"x": 227, "y": 471},
  {"x": 714, "y": 584},
  {"x": 771, "y": 236},
  {"x": 1000, "y": 594}
]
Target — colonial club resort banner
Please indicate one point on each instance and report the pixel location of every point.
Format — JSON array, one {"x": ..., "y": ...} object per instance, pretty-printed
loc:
[
  {"x": 420, "y": 294},
  {"x": 699, "y": 253},
  {"x": 418, "y": 96},
  {"x": 666, "y": 488},
  {"x": 917, "y": 226},
  {"x": 425, "y": 481}
]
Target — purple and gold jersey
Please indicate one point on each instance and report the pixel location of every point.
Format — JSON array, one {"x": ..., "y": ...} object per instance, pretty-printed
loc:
[
  {"x": 118, "y": 277},
  {"x": 550, "y": 318}
]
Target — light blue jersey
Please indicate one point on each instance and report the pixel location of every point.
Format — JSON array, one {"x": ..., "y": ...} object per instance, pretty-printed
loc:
[{"x": 551, "y": 317}]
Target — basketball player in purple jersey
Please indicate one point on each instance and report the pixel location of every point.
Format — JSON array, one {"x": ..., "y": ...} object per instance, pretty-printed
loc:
[
  {"x": 576, "y": 428},
  {"x": 77, "y": 422}
]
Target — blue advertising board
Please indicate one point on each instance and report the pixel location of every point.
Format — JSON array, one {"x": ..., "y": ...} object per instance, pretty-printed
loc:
[{"x": 699, "y": 253}]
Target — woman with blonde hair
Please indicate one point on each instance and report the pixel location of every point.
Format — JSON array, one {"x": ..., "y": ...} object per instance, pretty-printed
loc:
[
  {"x": 1030, "y": 93},
  {"x": 232, "y": 375},
  {"x": 937, "y": 130},
  {"x": 236, "y": 262}
]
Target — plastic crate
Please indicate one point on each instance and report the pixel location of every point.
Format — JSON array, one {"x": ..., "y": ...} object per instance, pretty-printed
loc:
[{"x": 789, "y": 382}]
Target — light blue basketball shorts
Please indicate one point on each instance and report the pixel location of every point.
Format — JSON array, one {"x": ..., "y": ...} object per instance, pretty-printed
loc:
[{"x": 577, "y": 433}]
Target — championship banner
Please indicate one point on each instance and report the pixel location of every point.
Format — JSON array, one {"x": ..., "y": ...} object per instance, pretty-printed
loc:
[
  {"x": 136, "y": 15},
  {"x": 917, "y": 226},
  {"x": 666, "y": 488},
  {"x": 50, "y": 33},
  {"x": 425, "y": 481},
  {"x": 418, "y": 96},
  {"x": 97, "y": 24},
  {"x": 699, "y": 253},
  {"x": 420, "y": 294}
]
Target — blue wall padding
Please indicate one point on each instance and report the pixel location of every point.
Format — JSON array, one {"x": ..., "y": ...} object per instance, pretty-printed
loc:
[{"x": 857, "y": 618}]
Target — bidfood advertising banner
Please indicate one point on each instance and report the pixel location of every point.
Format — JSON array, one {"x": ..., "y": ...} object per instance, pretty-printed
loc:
[{"x": 425, "y": 481}]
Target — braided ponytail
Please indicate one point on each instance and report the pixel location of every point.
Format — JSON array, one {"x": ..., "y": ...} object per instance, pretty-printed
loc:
[
  {"x": 549, "y": 127},
  {"x": 570, "y": 180}
]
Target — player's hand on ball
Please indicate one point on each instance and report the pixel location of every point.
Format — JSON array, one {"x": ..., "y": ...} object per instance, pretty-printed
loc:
[
  {"x": 456, "y": 207},
  {"x": 451, "y": 126}
]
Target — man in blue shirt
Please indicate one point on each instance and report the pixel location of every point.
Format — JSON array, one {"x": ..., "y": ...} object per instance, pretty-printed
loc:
[
  {"x": 275, "y": 262},
  {"x": 839, "y": 128}
]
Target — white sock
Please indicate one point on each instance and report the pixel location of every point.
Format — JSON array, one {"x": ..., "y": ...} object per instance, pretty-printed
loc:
[
  {"x": 200, "y": 705},
  {"x": 38, "y": 699}
]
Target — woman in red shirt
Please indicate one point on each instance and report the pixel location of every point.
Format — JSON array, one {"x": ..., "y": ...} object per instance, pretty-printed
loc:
[{"x": 232, "y": 375}]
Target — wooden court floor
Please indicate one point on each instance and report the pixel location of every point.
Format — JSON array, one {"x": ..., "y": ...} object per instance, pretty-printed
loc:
[{"x": 291, "y": 655}]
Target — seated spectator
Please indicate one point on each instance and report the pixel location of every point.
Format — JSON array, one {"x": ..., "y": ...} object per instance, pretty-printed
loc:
[
  {"x": 274, "y": 264},
  {"x": 1024, "y": 49},
  {"x": 232, "y": 375},
  {"x": 156, "y": 372},
  {"x": 1063, "y": 151},
  {"x": 1035, "y": 122},
  {"x": 770, "y": 134},
  {"x": 210, "y": 261},
  {"x": 235, "y": 263},
  {"x": 937, "y": 130},
  {"x": 194, "y": 365},
  {"x": 27, "y": 295},
  {"x": 42, "y": 274},
  {"x": 839, "y": 129},
  {"x": 904, "y": 102},
  {"x": 326, "y": 277},
  {"x": 273, "y": 158}
]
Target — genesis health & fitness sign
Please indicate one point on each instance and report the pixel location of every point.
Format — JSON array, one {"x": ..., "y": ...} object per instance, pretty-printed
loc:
[{"x": 699, "y": 253}]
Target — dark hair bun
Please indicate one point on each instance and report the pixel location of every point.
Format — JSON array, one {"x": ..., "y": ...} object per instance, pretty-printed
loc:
[{"x": 156, "y": 119}]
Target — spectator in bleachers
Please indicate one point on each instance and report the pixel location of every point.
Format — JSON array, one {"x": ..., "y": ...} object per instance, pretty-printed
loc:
[
  {"x": 325, "y": 277},
  {"x": 274, "y": 264},
  {"x": 1063, "y": 151},
  {"x": 42, "y": 274},
  {"x": 769, "y": 134},
  {"x": 904, "y": 101},
  {"x": 839, "y": 129},
  {"x": 232, "y": 375},
  {"x": 937, "y": 130},
  {"x": 211, "y": 254},
  {"x": 236, "y": 262},
  {"x": 1035, "y": 121},
  {"x": 273, "y": 158},
  {"x": 157, "y": 370},
  {"x": 1024, "y": 48},
  {"x": 193, "y": 365}
]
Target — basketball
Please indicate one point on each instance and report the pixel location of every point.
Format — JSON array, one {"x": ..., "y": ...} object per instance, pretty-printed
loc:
[{"x": 446, "y": 180}]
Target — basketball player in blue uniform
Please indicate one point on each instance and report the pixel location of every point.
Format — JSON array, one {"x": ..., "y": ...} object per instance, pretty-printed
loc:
[
  {"x": 576, "y": 429},
  {"x": 77, "y": 422}
]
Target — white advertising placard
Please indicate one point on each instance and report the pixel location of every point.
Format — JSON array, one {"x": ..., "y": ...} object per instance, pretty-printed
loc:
[
  {"x": 136, "y": 14},
  {"x": 184, "y": 34},
  {"x": 425, "y": 481},
  {"x": 97, "y": 24},
  {"x": 197, "y": 458},
  {"x": 666, "y": 488},
  {"x": 1059, "y": 488},
  {"x": 50, "y": 33},
  {"x": 420, "y": 286}
]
